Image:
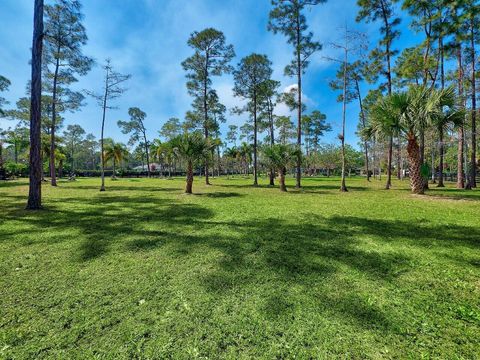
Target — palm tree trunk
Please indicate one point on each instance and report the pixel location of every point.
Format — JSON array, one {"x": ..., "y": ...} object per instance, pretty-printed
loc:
[
  {"x": 281, "y": 179},
  {"x": 188, "y": 187},
  {"x": 416, "y": 180}
]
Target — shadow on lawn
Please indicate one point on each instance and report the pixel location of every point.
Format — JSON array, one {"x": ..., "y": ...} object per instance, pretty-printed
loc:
[
  {"x": 453, "y": 194},
  {"x": 11, "y": 183},
  {"x": 251, "y": 253},
  {"x": 305, "y": 188}
]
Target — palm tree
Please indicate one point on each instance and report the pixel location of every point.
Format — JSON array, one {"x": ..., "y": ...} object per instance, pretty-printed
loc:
[
  {"x": 245, "y": 153},
  {"x": 164, "y": 154},
  {"x": 116, "y": 152},
  {"x": 231, "y": 155},
  {"x": 281, "y": 156},
  {"x": 413, "y": 111},
  {"x": 192, "y": 147}
]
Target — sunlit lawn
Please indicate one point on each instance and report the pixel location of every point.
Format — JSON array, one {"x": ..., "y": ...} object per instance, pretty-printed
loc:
[{"x": 143, "y": 271}]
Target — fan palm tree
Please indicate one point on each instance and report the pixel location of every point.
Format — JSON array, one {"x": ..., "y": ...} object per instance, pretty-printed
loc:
[
  {"x": 232, "y": 155},
  {"x": 281, "y": 156},
  {"x": 245, "y": 153},
  {"x": 162, "y": 152},
  {"x": 115, "y": 152},
  {"x": 191, "y": 147},
  {"x": 413, "y": 111}
]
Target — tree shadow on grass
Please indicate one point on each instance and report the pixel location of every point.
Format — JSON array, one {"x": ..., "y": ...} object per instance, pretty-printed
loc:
[
  {"x": 102, "y": 221},
  {"x": 453, "y": 194},
  {"x": 114, "y": 188},
  {"x": 4, "y": 184},
  {"x": 252, "y": 253},
  {"x": 219, "y": 195}
]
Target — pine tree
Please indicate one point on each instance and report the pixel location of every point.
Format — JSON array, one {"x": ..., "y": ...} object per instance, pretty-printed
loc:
[
  {"x": 211, "y": 58},
  {"x": 287, "y": 17}
]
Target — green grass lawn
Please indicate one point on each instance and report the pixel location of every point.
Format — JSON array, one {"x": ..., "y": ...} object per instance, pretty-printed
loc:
[{"x": 143, "y": 271}]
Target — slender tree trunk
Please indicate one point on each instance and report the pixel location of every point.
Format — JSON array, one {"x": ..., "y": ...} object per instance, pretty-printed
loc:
[
  {"x": 473, "y": 159},
  {"x": 60, "y": 169},
  {"x": 219, "y": 165},
  {"x": 1, "y": 156},
  {"x": 399, "y": 158},
  {"x": 73, "y": 162},
  {"x": 434, "y": 180},
  {"x": 205, "y": 110},
  {"x": 255, "y": 170},
  {"x": 343, "y": 187},
  {"x": 114, "y": 174},
  {"x": 416, "y": 179},
  {"x": 272, "y": 139},
  {"x": 188, "y": 187},
  {"x": 147, "y": 154},
  {"x": 35, "y": 185},
  {"x": 102, "y": 149},
  {"x": 461, "y": 145},
  {"x": 389, "y": 84},
  {"x": 442, "y": 156},
  {"x": 389, "y": 163},
  {"x": 362, "y": 116},
  {"x": 298, "y": 184},
  {"x": 442, "y": 61},
  {"x": 281, "y": 179},
  {"x": 54, "y": 120}
]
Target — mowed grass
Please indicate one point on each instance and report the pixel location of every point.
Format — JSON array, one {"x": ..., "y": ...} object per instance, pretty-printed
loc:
[{"x": 236, "y": 272}]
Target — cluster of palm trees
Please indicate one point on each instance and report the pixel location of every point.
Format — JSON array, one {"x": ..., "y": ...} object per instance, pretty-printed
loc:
[
  {"x": 408, "y": 115},
  {"x": 192, "y": 149}
]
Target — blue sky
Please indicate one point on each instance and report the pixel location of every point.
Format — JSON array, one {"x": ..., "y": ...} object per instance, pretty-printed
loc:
[{"x": 147, "y": 38}]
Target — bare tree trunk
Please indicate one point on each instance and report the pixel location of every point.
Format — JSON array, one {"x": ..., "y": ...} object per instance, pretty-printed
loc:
[
  {"x": 146, "y": 153},
  {"x": 255, "y": 170},
  {"x": 102, "y": 150},
  {"x": 461, "y": 144},
  {"x": 389, "y": 84},
  {"x": 54, "y": 120},
  {"x": 362, "y": 116},
  {"x": 298, "y": 184},
  {"x": 440, "y": 165},
  {"x": 343, "y": 187},
  {"x": 281, "y": 179},
  {"x": 205, "y": 109},
  {"x": 35, "y": 185},
  {"x": 399, "y": 158},
  {"x": 189, "y": 185},
  {"x": 473, "y": 159},
  {"x": 272, "y": 140},
  {"x": 389, "y": 165}
]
